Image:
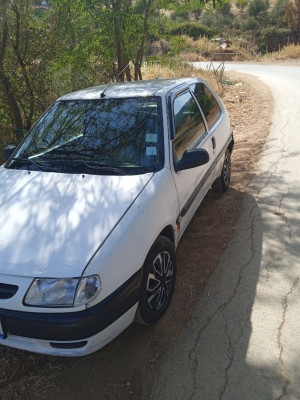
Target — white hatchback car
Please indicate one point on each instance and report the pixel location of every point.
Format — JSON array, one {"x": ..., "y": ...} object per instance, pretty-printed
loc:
[{"x": 93, "y": 203}]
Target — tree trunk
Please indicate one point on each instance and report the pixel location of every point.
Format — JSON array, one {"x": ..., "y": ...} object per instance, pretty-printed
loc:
[
  {"x": 13, "y": 105},
  {"x": 122, "y": 59},
  {"x": 140, "y": 54},
  {"x": 15, "y": 44},
  {"x": 4, "y": 80}
]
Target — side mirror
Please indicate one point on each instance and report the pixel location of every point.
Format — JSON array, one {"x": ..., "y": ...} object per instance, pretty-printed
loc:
[
  {"x": 8, "y": 151},
  {"x": 191, "y": 159}
]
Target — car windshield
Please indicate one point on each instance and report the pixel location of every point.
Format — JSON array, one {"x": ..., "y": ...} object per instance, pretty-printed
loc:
[{"x": 105, "y": 136}]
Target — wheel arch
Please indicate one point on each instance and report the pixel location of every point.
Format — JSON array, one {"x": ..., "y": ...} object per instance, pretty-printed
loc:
[
  {"x": 230, "y": 146},
  {"x": 169, "y": 233}
]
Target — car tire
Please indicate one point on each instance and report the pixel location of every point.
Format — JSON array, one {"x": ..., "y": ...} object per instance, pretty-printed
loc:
[
  {"x": 221, "y": 184},
  {"x": 158, "y": 281}
]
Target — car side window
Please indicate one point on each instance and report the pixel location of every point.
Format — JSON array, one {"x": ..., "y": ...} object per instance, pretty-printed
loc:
[
  {"x": 189, "y": 124},
  {"x": 207, "y": 102}
]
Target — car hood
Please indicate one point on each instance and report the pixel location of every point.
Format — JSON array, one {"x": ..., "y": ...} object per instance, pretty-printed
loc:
[{"x": 52, "y": 224}]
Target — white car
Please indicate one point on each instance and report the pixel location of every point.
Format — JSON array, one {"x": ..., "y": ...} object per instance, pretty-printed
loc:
[{"x": 93, "y": 204}]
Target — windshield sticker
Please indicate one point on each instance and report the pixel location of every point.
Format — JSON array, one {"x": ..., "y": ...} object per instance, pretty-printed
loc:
[
  {"x": 151, "y": 137},
  {"x": 151, "y": 151}
]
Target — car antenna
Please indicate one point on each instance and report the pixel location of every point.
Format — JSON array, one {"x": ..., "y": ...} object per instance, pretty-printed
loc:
[{"x": 109, "y": 85}]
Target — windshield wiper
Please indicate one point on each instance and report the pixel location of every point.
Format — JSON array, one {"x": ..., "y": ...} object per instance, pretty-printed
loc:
[
  {"x": 29, "y": 161},
  {"x": 93, "y": 165},
  {"x": 49, "y": 164},
  {"x": 101, "y": 166}
]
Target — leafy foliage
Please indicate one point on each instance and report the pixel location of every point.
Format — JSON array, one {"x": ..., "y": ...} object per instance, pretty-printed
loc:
[
  {"x": 257, "y": 7},
  {"x": 46, "y": 52},
  {"x": 241, "y": 3},
  {"x": 292, "y": 15},
  {"x": 277, "y": 14},
  {"x": 192, "y": 29},
  {"x": 249, "y": 24},
  {"x": 272, "y": 38},
  {"x": 26, "y": 48}
]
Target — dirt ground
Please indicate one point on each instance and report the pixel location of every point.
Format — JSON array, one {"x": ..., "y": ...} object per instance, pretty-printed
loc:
[{"x": 126, "y": 368}]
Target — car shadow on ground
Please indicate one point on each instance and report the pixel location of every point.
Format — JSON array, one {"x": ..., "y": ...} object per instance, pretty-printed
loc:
[
  {"x": 237, "y": 343},
  {"x": 216, "y": 340}
]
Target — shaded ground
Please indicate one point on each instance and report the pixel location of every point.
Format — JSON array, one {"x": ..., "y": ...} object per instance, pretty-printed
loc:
[{"x": 126, "y": 367}]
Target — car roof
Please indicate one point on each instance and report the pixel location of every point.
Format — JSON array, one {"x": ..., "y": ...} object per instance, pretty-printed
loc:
[{"x": 130, "y": 89}]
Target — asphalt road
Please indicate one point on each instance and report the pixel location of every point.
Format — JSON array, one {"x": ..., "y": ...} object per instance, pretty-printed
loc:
[{"x": 244, "y": 339}]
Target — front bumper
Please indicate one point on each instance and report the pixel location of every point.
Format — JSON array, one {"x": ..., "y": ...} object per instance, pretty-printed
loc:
[{"x": 77, "y": 333}]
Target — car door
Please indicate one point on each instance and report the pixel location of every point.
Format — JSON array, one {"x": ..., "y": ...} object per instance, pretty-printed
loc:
[{"x": 189, "y": 131}]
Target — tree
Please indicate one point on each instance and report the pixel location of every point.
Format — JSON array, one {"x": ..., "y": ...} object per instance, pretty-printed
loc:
[
  {"x": 125, "y": 25},
  {"x": 278, "y": 12},
  {"x": 292, "y": 15},
  {"x": 45, "y": 52},
  {"x": 257, "y": 7},
  {"x": 131, "y": 22},
  {"x": 23, "y": 62},
  {"x": 6, "y": 85}
]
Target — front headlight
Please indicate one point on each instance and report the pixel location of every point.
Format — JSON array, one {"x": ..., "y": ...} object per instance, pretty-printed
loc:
[{"x": 65, "y": 292}]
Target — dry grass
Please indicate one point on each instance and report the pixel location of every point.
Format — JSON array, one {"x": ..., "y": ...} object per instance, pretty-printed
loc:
[
  {"x": 182, "y": 70},
  {"x": 204, "y": 48},
  {"x": 193, "y": 57},
  {"x": 291, "y": 51},
  {"x": 197, "y": 50},
  {"x": 242, "y": 54},
  {"x": 25, "y": 375},
  {"x": 203, "y": 45}
]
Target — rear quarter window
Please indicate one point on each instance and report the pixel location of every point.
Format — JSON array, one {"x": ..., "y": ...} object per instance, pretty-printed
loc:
[{"x": 207, "y": 102}]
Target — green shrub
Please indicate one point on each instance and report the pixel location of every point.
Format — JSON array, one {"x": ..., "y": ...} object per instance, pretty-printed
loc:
[
  {"x": 256, "y": 7},
  {"x": 180, "y": 16},
  {"x": 241, "y": 4},
  {"x": 249, "y": 24},
  {"x": 278, "y": 12},
  {"x": 209, "y": 19},
  {"x": 272, "y": 39},
  {"x": 192, "y": 29}
]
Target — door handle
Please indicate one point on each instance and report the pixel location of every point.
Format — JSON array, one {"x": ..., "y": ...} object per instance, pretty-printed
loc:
[{"x": 213, "y": 142}]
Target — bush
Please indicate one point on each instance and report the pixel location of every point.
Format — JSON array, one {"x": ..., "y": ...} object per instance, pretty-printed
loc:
[
  {"x": 241, "y": 4},
  {"x": 180, "y": 16},
  {"x": 272, "y": 39},
  {"x": 256, "y": 7},
  {"x": 192, "y": 29},
  {"x": 278, "y": 12},
  {"x": 209, "y": 19},
  {"x": 249, "y": 24},
  {"x": 292, "y": 15}
]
